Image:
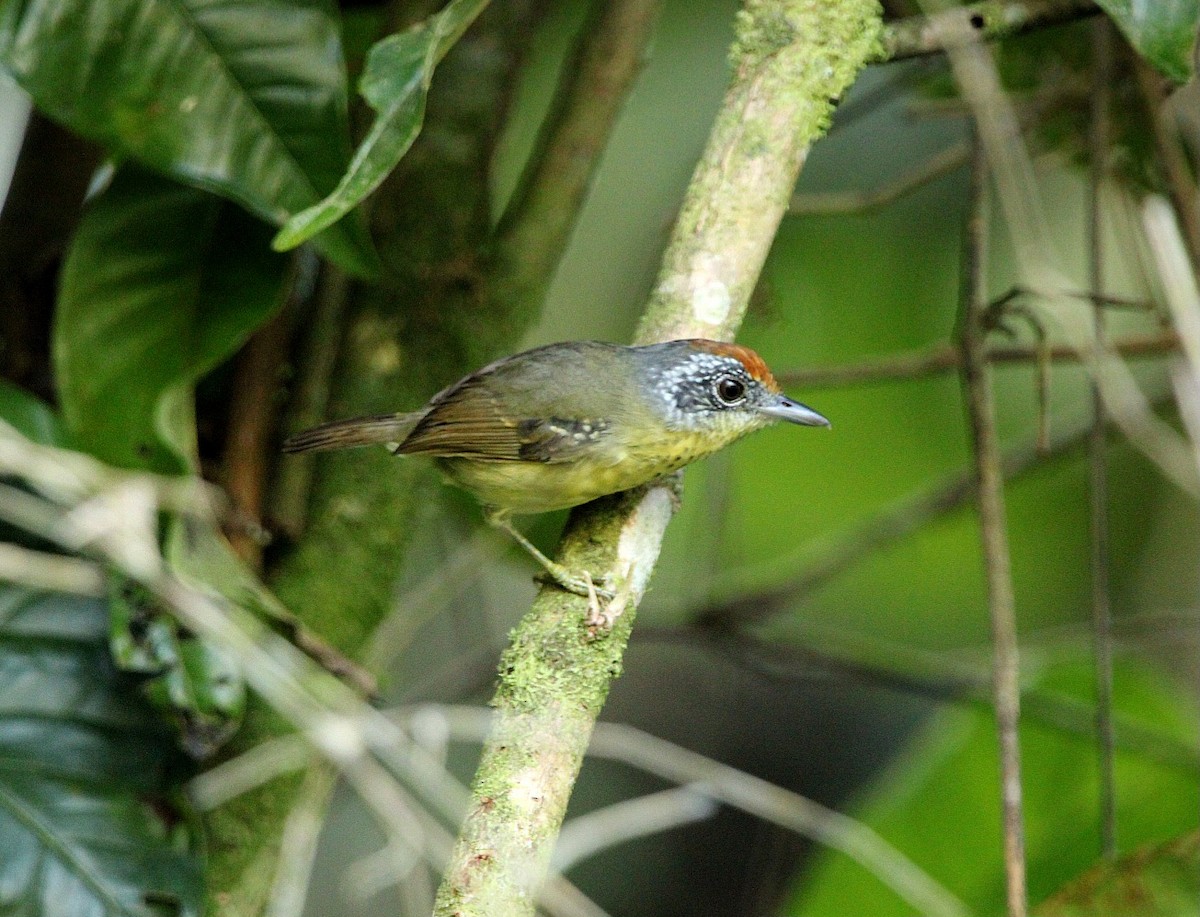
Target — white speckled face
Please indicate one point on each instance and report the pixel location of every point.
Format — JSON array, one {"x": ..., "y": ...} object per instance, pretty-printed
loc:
[{"x": 701, "y": 390}]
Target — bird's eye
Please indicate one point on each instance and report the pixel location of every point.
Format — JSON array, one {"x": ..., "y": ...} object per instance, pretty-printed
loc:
[{"x": 730, "y": 390}]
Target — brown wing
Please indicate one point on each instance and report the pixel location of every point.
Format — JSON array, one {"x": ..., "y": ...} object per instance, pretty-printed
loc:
[
  {"x": 469, "y": 423},
  {"x": 467, "y": 420}
]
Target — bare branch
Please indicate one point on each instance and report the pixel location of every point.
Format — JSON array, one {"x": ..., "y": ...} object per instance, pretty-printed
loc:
[
  {"x": 1099, "y": 141},
  {"x": 944, "y": 676},
  {"x": 537, "y": 225},
  {"x": 987, "y": 21},
  {"x": 298, "y": 847},
  {"x": 629, "y": 819},
  {"x": 834, "y": 202},
  {"x": 837, "y": 553},
  {"x": 1039, "y": 267},
  {"x": 1172, "y": 157},
  {"x": 750, "y": 794},
  {"x": 945, "y": 358},
  {"x": 977, "y": 384}
]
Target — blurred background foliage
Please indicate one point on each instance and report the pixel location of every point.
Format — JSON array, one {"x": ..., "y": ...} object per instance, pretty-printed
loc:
[{"x": 866, "y": 690}]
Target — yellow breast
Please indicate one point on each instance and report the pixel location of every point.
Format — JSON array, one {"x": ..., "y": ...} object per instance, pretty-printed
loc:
[{"x": 539, "y": 487}]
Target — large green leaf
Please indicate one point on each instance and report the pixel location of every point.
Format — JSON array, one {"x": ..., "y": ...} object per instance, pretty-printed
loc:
[
  {"x": 162, "y": 282},
  {"x": 395, "y": 84},
  {"x": 940, "y": 804},
  {"x": 243, "y": 97},
  {"x": 1162, "y": 31},
  {"x": 87, "y": 825},
  {"x": 195, "y": 683},
  {"x": 1159, "y": 880}
]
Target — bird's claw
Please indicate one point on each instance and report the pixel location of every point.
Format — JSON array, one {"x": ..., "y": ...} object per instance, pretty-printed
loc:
[
  {"x": 600, "y": 616},
  {"x": 581, "y": 583},
  {"x": 598, "y": 619}
]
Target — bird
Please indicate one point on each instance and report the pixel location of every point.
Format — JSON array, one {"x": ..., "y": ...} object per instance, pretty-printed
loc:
[{"x": 563, "y": 424}]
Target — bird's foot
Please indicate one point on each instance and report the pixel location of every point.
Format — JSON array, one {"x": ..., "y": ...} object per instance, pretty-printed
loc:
[
  {"x": 600, "y": 616},
  {"x": 580, "y": 583}
]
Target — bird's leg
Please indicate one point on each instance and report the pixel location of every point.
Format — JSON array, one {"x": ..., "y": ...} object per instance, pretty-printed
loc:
[{"x": 570, "y": 580}]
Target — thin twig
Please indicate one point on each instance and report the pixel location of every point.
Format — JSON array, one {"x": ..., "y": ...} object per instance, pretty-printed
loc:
[
  {"x": 1176, "y": 274},
  {"x": 290, "y": 491},
  {"x": 251, "y": 427},
  {"x": 298, "y": 845},
  {"x": 1172, "y": 156},
  {"x": 1034, "y": 248},
  {"x": 977, "y": 384},
  {"x": 946, "y": 358},
  {"x": 1099, "y": 141},
  {"x": 40, "y": 570},
  {"x": 748, "y": 793},
  {"x": 838, "y": 552},
  {"x": 264, "y": 762},
  {"x": 418, "y": 605},
  {"x": 987, "y": 21},
  {"x": 618, "y": 823},
  {"x": 1034, "y": 111},
  {"x": 825, "y": 203},
  {"x": 937, "y": 675}
]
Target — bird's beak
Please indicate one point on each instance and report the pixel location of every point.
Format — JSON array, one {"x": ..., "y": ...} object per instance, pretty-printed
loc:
[{"x": 793, "y": 412}]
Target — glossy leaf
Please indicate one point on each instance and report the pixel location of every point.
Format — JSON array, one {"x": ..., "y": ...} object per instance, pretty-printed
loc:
[
  {"x": 395, "y": 84},
  {"x": 1162, "y": 31},
  {"x": 246, "y": 98},
  {"x": 940, "y": 804},
  {"x": 87, "y": 826},
  {"x": 162, "y": 282},
  {"x": 199, "y": 553},
  {"x": 1159, "y": 880},
  {"x": 192, "y": 682}
]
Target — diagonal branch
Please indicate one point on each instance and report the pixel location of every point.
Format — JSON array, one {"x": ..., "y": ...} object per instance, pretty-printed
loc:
[
  {"x": 987, "y": 21},
  {"x": 537, "y": 225},
  {"x": 835, "y": 554},
  {"x": 790, "y": 60}
]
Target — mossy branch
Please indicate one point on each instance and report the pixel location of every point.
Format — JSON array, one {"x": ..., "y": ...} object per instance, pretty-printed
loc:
[
  {"x": 452, "y": 300},
  {"x": 791, "y": 61}
]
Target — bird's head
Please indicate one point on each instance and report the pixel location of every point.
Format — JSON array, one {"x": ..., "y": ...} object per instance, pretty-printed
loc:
[{"x": 726, "y": 390}]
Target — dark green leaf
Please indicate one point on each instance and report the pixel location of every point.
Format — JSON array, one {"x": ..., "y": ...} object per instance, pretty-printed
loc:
[
  {"x": 87, "y": 825},
  {"x": 243, "y": 97},
  {"x": 199, "y": 553},
  {"x": 395, "y": 84},
  {"x": 162, "y": 283},
  {"x": 1159, "y": 880},
  {"x": 32, "y": 417},
  {"x": 193, "y": 682},
  {"x": 1162, "y": 31}
]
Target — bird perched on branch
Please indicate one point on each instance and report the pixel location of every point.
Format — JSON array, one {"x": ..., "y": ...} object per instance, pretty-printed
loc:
[{"x": 560, "y": 425}]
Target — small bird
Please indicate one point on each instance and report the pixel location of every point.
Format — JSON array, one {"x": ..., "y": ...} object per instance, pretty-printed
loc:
[{"x": 560, "y": 425}]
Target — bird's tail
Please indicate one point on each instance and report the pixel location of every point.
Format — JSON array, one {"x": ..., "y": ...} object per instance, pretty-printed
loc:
[{"x": 358, "y": 431}]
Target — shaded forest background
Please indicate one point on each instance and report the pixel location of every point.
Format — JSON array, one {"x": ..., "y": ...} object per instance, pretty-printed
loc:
[{"x": 818, "y": 617}]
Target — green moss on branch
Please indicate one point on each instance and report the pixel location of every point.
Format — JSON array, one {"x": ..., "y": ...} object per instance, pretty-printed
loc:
[
  {"x": 780, "y": 100},
  {"x": 792, "y": 60}
]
